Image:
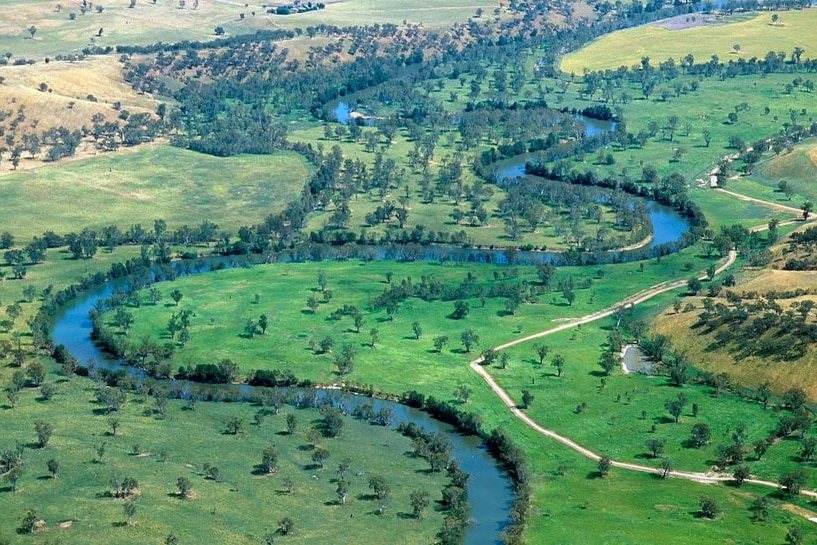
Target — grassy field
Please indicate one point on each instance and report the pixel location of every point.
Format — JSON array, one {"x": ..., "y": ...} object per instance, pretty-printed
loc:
[
  {"x": 798, "y": 168},
  {"x": 70, "y": 85},
  {"x": 444, "y": 13},
  {"x": 165, "y": 21},
  {"x": 148, "y": 183},
  {"x": 238, "y": 510},
  {"x": 225, "y": 300},
  {"x": 436, "y": 216},
  {"x": 756, "y": 36},
  {"x": 147, "y": 22}
]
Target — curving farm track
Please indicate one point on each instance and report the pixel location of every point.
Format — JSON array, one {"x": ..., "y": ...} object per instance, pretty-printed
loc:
[{"x": 635, "y": 299}]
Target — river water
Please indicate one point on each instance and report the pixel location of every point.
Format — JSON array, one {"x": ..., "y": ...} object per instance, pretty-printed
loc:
[{"x": 489, "y": 486}]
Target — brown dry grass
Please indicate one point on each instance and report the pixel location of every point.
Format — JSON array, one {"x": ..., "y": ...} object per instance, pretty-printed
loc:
[
  {"x": 66, "y": 102},
  {"x": 751, "y": 371}
]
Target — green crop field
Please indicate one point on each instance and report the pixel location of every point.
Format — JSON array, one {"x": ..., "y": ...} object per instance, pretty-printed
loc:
[
  {"x": 149, "y": 183},
  {"x": 755, "y": 36}
]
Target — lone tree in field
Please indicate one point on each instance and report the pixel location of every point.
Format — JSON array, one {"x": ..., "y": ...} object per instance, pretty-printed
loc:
[
  {"x": 542, "y": 352},
  {"x": 656, "y": 446},
  {"x": 176, "y": 295},
  {"x": 440, "y": 342},
  {"x": 709, "y": 508},
  {"x": 807, "y": 208},
  {"x": 605, "y": 464},
  {"x": 793, "y": 482},
  {"x": 286, "y": 526},
  {"x": 269, "y": 460},
  {"x": 419, "y": 502},
  {"x": 559, "y": 363},
  {"x": 527, "y": 399},
  {"x": 608, "y": 362},
  {"x": 44, "y": 431},
  {"x": 53, "y": 468},
  {"x": 185, "y": 486},
  {"x": 130, "y": 511},
  {"x": 676, "y": 406},
  {"x": 469, "y": 339},
  {"x": 32, "y": 30}
]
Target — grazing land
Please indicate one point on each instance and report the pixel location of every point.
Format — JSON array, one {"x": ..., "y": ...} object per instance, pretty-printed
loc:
[
  {"x": 139, "y": 159},
  {"x": 148, "y": 183},
  {"x": 755, "y": 35},
  {"x": 78, "y": 503}
]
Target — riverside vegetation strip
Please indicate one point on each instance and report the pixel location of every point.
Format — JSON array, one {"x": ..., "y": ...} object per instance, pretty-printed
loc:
[{"x": 571, "y": 504}]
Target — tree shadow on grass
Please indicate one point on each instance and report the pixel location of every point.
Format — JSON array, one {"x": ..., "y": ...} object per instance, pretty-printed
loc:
[{"x": 406, "y": 516}]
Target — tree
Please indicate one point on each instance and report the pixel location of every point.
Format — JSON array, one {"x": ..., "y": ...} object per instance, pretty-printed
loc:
[
  {"x": 234, "y": 425},
  {"x": 605, "y": 464},
  {"x": 176, "y": 295},
  {"x": 292, "y": 424},
  {"x": 269, "y": 460},
  {"x": 807, "y": 208},
  {"x": 793, "y": 482},
  {"x": 319, "y": 456},
  {"x": 420, "y": 500},
  {"x": 469, "y": 339},
  {"x": 13, "y": 476},
  {"x": 113, "y": 423},
  {"x": 29, "y": 522},
  {"x": 666, "y": 468},
  {"x": 286, "y": 526},
  {"x": 263, "y": 323},
  {"x": 656, "y": 446},
  {"x": 374, "y": 334},
  {"x": 32, "y": 30},
  {"x": 542, "y": 352},
  {"x": 700, "y": 435},
  {"x": 676, "y": 406},
  {"x": 740, "y": 474},
  {"x": 764, "y": 393},
  {"x": 608, "y": 362},
  {"x": 44, "y": 431},
  {"x": 760, "y": 509},
  {"x": 440, "y": 342},
  {"x": 707, "y": 134},
  {"x": 342, "y": 491},
  {"x": 130, "y": 511},
  {"x": 53, "y": 468},
  {"x": 219, "y": 31},
  {"x": 694, "y": 286},
  {"x": 786, "y": 188},
  {"x": 527, "y": 399},
  {"x": 185, "y": 486},
  {"x": 559, "y": 363},
  {"x": 461, "y": 309},
  {"x": 380, "y": 487},
  {"x": 808, "y": 447},
  {"x": 417, "y": 329},
  {"x": 462, "y": 393},
  {"x": 312, "y": 304},
  {"x": 709, "y": 508},
  {"x": 794, "y": 536}
]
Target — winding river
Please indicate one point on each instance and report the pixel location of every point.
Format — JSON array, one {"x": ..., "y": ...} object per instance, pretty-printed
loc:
[{"x": 489, "y": 487}]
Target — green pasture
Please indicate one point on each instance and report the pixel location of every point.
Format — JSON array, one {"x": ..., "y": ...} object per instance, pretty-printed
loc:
[
  {"x": 224, "y": 300},
  {"x": 756, "y": 36},
  {"x": 797, "y": 167},
  {"x": 612, "y": 421},
  {"x": 149, "y": 183},
  {"x": 241, "y": 508}
]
